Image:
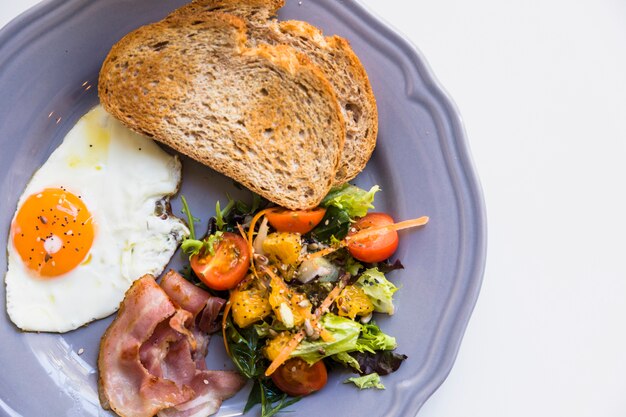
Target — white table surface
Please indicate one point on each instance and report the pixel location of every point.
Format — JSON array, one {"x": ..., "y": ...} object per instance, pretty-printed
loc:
[{"x": 541, "y": 86}]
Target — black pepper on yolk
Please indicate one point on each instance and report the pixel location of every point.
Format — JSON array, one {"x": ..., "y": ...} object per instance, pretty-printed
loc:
[{"x": 53, "y": 232}]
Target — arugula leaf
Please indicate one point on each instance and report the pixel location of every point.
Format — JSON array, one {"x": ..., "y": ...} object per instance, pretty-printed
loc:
[
  {"x": 190, "y": 219},
  {"x": 237, "y": 212},
  {"x": 366, "y": 381},
  {"x": 258, "y": 203},
  {"x": 220, "y": 214},
  {"x": 212, "y": 241},
  {"x": 192, "y": 246},
  {"x": 272, "y": 400}
]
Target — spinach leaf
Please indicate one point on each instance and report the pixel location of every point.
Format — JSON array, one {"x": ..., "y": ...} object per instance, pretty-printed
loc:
[
  {"x": 336, "y": 222},
  {"x": 245, "y": 351}
]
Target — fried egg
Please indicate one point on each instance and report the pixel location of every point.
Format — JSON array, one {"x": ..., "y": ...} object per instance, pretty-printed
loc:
[{"x": 92, "y": 220}]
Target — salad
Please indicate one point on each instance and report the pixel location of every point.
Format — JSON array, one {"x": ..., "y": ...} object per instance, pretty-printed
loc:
[{"x": 303, "y": 290}]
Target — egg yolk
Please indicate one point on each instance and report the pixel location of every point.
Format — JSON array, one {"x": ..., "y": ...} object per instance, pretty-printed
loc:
[{"x": 52, "y": 232}]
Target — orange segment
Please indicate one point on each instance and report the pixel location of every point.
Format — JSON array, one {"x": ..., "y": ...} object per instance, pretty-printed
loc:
[{"x": 53, "y": 232}]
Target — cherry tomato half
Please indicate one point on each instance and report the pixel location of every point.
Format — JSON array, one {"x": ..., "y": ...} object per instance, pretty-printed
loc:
[
  {"x": 227, "y": 267},
  {"x": 295, "y": 377},
  {"x": 376, "y": 247},
  {"x": 295, "y": 221}
]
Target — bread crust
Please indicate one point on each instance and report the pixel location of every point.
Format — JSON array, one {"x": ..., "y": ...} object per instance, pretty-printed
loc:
[
  {"x": 248, "y": 10},
  {"x": 344, "y": 70}
]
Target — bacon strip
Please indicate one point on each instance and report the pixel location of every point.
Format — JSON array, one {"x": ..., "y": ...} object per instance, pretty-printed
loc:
[
  {"x": 125, "y": 384},
  {"x": 186, "y": 295},
  {"x": 151, "y": 358},
  {"x": 210, "y": 387},
  {"x": 209, "y": 319}
]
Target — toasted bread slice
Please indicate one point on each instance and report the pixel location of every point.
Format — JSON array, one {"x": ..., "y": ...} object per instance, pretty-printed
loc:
[
  {"x": 332, "y": 54},
  {"x": 264, "y": 116}
]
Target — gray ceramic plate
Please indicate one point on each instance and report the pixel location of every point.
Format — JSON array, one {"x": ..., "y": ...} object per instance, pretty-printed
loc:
[{"x": 49, "y": 62}]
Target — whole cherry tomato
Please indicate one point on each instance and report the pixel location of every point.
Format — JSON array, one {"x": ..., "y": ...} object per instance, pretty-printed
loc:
[{"x": 375, "y": 247}]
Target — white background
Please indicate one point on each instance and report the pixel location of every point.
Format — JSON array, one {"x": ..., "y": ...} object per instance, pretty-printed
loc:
[{"x": 541, "y": 86}]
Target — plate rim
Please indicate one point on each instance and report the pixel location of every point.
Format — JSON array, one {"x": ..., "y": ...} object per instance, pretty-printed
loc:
[
  {"x": 419, "y": 63},
  {"x": 36, "y": 16}
]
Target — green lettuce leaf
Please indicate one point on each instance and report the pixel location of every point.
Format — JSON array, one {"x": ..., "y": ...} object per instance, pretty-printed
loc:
[
  {"x": 348, "y": 336},
  {"x": 366, "y": 381},
  {"x": 373, "y": 339},
  {"x": 352, "y": 266},
  {"x": 378, "y": 290},
  {"x": 354, "y": 200},
  {"x": 345, "y": 333},
  {"x": 345, "y": 359}
]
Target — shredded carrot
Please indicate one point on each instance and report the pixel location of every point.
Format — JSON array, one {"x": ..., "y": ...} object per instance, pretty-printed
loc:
[
  {"x": 406, "y": 224},
  {"x": 283, "y": 355},
  {"x": 332, "y": 296},
  {"x": 326, "y": 251},
  {"x": 297, "y": 338},
  {"x": 276, "y": 280}
]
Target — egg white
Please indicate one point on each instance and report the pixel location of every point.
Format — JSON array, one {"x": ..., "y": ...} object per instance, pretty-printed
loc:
[{"x": 121, "y": 176}]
